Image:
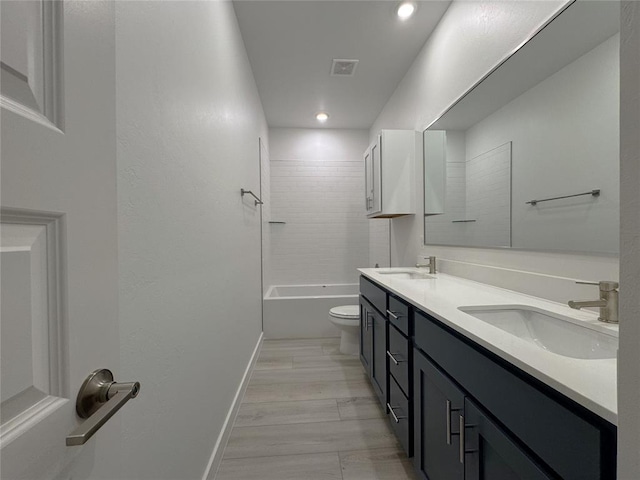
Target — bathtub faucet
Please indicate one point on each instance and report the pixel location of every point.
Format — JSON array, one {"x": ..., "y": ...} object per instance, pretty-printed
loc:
[{"x": 431, "y": 265}]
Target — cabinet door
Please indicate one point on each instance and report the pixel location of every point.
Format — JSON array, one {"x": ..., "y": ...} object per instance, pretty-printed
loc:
[
  {"x": 491, "y": 454},
  {"x": 438, "y": 405},
  {"x": 376, "y": 183},
  {"x": 379, "y": 357},
  {"x": 368, "y": 181},
  {"x": 365, "y": 334}
]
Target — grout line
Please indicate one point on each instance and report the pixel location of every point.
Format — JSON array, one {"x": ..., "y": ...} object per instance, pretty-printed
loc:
[{"x": 311, "y": 423}]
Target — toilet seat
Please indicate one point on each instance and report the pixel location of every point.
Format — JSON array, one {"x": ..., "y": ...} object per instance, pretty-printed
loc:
[{"x": 346, "y": 312}]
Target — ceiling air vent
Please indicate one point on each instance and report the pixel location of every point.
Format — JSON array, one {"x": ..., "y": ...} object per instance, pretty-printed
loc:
[{"x": 343, "y": 68}]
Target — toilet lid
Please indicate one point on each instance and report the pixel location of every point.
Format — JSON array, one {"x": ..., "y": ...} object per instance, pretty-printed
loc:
[{"x": 345, "y": 311}]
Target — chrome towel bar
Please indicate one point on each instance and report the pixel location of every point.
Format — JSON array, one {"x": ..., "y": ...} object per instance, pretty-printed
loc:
[
  {"x": 595, "y": 193},
  {"x": 258, "y": 201}
]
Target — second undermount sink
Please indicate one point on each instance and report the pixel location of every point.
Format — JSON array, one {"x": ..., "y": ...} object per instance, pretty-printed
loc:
[
  {"x": 407, "y": 274},
  {"x": 549, "y": 331}
]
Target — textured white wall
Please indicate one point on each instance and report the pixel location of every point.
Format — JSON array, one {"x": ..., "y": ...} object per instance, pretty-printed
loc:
[
  {"x": 188, "y": 122},
  {"x": 471, "y": 38},
  {"x": 629, "y": 354},
  {"x": 379, "y": 253},
  {"x": 317, "y": 187}
]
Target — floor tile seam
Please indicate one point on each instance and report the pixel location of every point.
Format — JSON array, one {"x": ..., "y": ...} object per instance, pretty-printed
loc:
[
  {"x": 337, "y": 452},
  {"x": 291, "y": 424},
  {"x": 298, "y": 367},
  {"x": 282, "y": 455},
  {"x": 332, "y": 382},
  {"x": 281, "y": 424},
  {"x": 278, "y": 401},
  {"x": 294, "y": 401}
]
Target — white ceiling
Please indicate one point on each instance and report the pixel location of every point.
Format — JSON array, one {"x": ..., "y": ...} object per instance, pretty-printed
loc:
[{"x": 291, "y": 45}]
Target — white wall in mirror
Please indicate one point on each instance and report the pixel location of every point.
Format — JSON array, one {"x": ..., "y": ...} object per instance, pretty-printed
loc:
[{"x": 564, "y": 136}]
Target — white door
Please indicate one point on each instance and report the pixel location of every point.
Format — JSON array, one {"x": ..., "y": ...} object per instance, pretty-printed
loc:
[{"x": 58, "y": 239}]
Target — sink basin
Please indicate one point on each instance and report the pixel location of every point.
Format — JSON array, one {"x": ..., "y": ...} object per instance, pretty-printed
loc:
[
  {"x": 406, "y": 274},
  {"x": 549, "y": 331}
]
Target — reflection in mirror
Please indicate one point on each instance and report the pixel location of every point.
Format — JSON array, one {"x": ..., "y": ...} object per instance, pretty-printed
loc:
[{"x": 543, "y": 125}]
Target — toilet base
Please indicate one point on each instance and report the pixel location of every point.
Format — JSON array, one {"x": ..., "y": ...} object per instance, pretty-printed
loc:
[{"x": 350, "y": 341}]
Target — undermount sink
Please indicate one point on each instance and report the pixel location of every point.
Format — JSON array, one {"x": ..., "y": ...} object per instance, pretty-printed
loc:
[
  {"x": 406, "y": 274},
  {"x": 548, "y": 331}
]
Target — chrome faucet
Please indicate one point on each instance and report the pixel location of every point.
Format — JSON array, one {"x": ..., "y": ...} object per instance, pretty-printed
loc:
[
  {"x": 608, "y": 302},
  {"x": 431, "y": 265}
]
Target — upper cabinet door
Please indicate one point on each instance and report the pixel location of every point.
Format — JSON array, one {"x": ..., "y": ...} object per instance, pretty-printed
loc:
[
  {"x": 390, "y": 173},
  {"x": 368, "y": 181},
  {"x": 376, "y": 203},
  {"x": 58, "y": 238}
]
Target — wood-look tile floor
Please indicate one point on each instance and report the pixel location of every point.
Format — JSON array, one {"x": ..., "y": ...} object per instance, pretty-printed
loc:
[{"x": 309, "y": 413}]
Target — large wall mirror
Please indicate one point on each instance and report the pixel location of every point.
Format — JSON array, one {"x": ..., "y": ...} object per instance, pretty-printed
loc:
[{"x": 529, "y": 157}]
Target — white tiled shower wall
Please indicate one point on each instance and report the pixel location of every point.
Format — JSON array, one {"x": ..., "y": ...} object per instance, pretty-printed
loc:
[{"x": 317, "y": 188}]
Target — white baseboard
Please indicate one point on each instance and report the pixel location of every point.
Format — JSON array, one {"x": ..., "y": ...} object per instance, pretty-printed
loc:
[{"x": 223, "y": 438}]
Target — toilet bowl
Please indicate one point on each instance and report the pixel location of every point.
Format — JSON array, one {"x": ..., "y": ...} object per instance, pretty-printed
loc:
[{"x": 347, "y": 319}]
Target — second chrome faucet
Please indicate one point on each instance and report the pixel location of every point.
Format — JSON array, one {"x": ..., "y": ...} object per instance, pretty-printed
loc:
[
  {"x": 431, "y": 265},
  {"x": 608, "y": 301}
]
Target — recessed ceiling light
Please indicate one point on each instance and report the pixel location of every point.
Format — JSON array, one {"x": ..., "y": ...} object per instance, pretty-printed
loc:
[
  {"x": 322, "y": 116},
  {"x": 405, "y": 10}
]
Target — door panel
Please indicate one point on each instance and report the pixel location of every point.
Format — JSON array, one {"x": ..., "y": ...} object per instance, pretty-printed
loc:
[
  {"x": 438, "y": 404},
  {"x": 376, "y": 181},
  {"x": 59, "y": 234},
  {"x": 365, "y": 334},
  {"x": 492, "y": 455},
  {"x": 379, "y": 355}
]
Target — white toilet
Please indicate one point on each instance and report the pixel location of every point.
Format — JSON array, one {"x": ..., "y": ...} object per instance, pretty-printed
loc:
[{"x": 347, "y": 319}]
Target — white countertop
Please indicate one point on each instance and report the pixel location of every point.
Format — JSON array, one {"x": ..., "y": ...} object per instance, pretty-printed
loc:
[{"x": 591, "y": 383}]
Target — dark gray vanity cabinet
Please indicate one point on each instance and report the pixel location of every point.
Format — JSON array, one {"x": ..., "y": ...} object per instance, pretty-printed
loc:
[
  {"x": 456, "y": 440},
  {"x": 491, "y": 454},
  {"x": 466, "y": 414},
  {"x": 438, "y": 404},
  {"x": 366, "y": 334},
  {"x": 373, "y": 337},
  {"x": 514, "y": 423},
  {"x": 378, "y": 372}
]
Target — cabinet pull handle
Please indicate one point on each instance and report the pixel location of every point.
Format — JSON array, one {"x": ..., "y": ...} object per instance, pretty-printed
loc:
[
  {"x": 393, "y": 314},
  {"x": 393, "y": 414},
  {"x": 394, "y": 359},
  {"x": 461, "y": 439}
]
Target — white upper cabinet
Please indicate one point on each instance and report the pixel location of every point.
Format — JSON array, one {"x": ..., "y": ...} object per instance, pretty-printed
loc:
[{"x": 389, "y": 165}]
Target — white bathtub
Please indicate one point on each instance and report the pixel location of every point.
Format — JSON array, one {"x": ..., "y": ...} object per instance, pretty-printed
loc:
[{"x": 302, "y": 311}]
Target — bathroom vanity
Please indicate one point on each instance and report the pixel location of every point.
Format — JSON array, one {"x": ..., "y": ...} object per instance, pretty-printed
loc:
[{"x": 469, "y": 397}]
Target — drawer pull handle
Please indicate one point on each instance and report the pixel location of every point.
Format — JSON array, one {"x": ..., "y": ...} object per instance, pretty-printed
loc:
[
  {"x": 449, "y": 410},
  {"x": 393, "y": 315},
  {"x": 394, "y": 359},
  {"x": 393, "y": 414}
]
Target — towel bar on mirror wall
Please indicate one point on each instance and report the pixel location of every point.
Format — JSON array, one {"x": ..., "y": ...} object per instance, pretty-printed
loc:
[
  {"x": 595, "y": 193},
  {"x": 98, "y": 400},
  {"x": 257, "y": 200}
]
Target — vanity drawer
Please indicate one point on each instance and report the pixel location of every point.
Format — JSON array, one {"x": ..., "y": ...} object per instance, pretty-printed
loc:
[
  {"x": 398, "y": 353},
  {"x": 376, "y": 295},
  {"x": 399, "y": 416},
  {"x": 398, "y": 314},
  {"x": 548, "y": 423}
]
